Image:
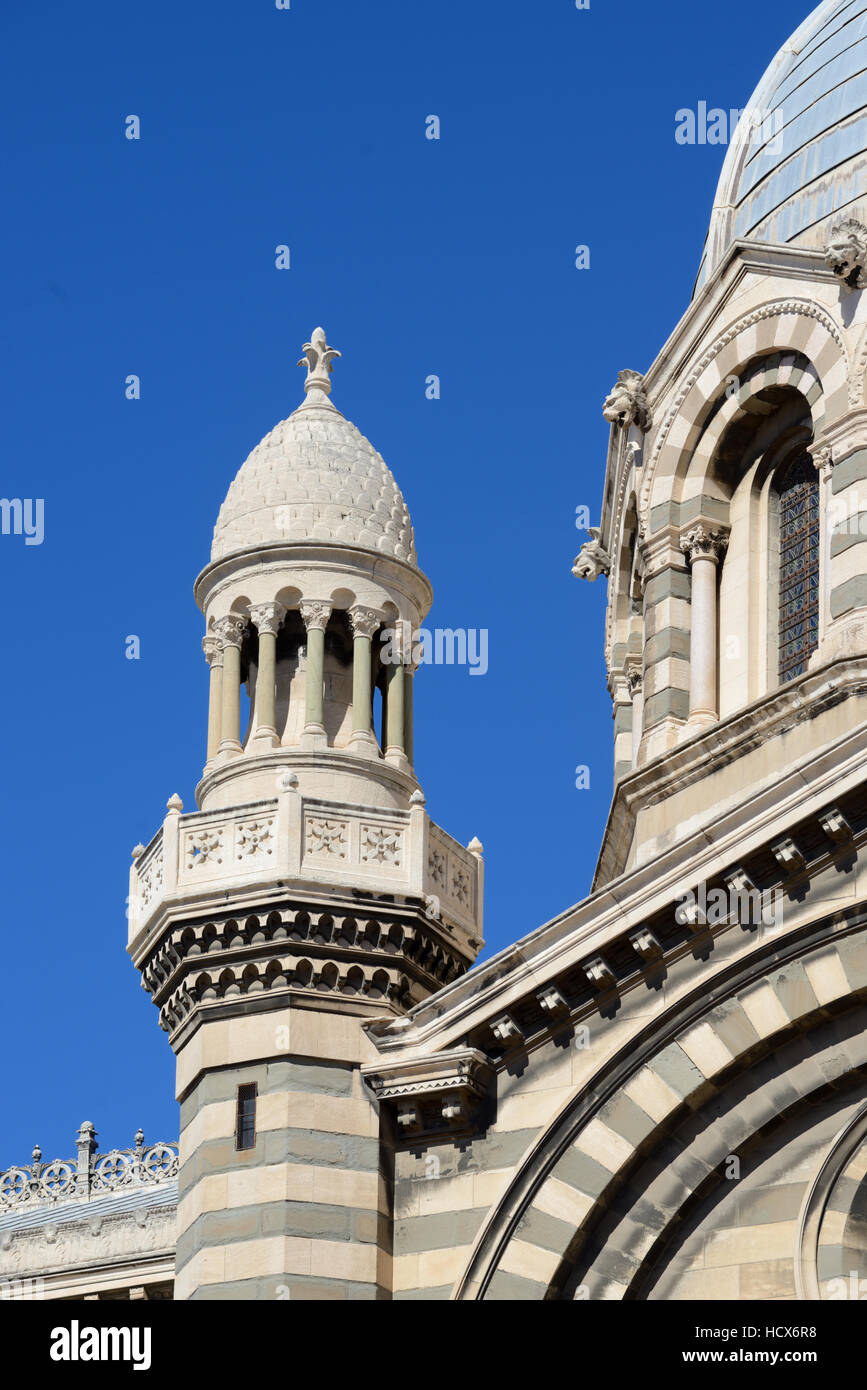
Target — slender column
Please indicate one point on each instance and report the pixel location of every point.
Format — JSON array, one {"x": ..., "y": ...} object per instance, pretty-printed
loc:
[
  {"x": 383, "y": 685},
  {"x": 408, "y": 683},
  {"x": 231, "y": 632},
  {"x": 618, "y": 687},
  {"x": 395, "y": 723},
  {"x": 315, "y": 617},
  {"x": 364, "y": 624},
  {"x": 703, "y": 548},
  {"x": 267, "y": 618},
  {"x": 823, "y": 460},
  {"x": 212, "y": 646},
  {"x": 634, "y": 677}
]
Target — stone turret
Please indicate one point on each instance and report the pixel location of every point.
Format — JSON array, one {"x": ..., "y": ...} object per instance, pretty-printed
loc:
[{"x": 310, "y": 893}]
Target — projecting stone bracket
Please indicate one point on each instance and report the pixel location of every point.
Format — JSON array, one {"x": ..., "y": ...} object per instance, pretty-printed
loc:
[
  {"x": 433, "y": 1096},
  {"x": 599, "y": 974},
  {"x": 552, "y": 1002},
  {"x": 835, "y": 825},
  {"x": 506, "y": 1032},
  {"x": 645, "y": 944},
  {"x": 692, "y": 916},
  {"x": 738, "y": 881},
  {"x": 788, "y": 856}
]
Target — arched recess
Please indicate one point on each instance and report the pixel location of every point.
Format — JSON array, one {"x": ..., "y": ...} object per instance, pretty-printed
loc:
[
  {"x": 782, "y": 327},
  {"x": 628, "y": 584},
  {"x": 625, "y": 623},
  {"x": 730, "y": 1063},
  {"x": 760, "y": 423},
  {"x": 832, "y": 1238},
  {"x": 747, "y": 448}
]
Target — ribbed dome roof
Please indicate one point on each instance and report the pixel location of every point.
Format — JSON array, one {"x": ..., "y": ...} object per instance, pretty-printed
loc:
[
  {"x": 315, "y": 478},
  {"x": 804, "y": 162}
]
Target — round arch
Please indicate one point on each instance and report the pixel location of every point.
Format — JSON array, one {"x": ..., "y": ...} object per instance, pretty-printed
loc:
[{"x": 625, "y": 1113}]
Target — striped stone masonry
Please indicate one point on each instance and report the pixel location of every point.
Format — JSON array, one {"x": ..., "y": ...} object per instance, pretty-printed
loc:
[{"x": 301, "y": 1214}]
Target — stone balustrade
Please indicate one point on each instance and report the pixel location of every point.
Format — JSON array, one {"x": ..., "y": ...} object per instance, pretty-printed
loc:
[{"x": 298, "y": 840}]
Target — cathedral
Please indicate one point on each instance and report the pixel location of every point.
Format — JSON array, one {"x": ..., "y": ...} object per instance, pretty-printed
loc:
[{"x": 662, "y": 1093}]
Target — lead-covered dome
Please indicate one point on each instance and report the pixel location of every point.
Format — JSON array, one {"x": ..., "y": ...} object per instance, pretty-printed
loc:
[
  {"x": 799, "y": 156},
  {"x": 315, "y": 478}
]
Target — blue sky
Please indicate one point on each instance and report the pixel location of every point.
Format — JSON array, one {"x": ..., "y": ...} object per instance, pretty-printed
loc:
[{"x": 155, "y": 257}]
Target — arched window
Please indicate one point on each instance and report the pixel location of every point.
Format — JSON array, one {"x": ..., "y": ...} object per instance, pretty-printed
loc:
[{"x": 799, "y": 567}]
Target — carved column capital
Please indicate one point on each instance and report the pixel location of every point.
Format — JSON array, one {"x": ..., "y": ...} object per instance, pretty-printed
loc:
[
  {"x": 634, "y": 676},
  {"x": 703, "y": 543},
  {"x": 315, "y": 614},
  {"x": 267, "y": 617},
  {"x": 212, "y": 646},
  {"x": 365, "y": 621},
  {"x": 231, "y": 630}
]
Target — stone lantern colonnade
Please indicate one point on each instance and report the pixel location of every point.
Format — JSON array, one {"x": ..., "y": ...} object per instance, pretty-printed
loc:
[{"x": 222, "y": 649}]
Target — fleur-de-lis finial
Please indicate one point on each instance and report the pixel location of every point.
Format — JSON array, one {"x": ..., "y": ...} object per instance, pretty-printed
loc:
[{"x": 318, "y": 357}]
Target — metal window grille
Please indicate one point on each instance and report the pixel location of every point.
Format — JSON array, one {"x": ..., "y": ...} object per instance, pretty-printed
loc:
[
  {"x": 245, "y": 1127},
  {"x": 799, "y": 568}
]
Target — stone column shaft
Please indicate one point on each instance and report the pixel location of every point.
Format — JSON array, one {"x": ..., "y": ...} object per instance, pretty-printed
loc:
[
  {"x": 365, "y": 623},
  {"x": 362, "y": 695},
  {"x": 704, "y": 548},
  {"x": 267, "y": 617},
  {"x": 395, "y": 714},
  {"x": 635, "y": 681},
  {"x": 230, "y": 730},
  {"x": 213, "y": 649},
  {"x": 266, "y": 694},
  {"x": 702, "y": 695},
  {"x": 315, "y": 688},
  {"x": 231, "y": 631},
  {"x": 408, "y": 683},
  {"x": 315, "y": 616},
  {"x": 823, "y": 460}
]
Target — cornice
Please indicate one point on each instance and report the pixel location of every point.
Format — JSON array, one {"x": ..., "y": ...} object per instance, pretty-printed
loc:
[
  {"x": 427, "y": 1095},
  {"x": 628, "y": 1060},
  {"x": 277, "y": 760},
  {"x": 769, "y": 717},
  {"x": 340, "y": 558},
  {"x": 614, "y": 921}
]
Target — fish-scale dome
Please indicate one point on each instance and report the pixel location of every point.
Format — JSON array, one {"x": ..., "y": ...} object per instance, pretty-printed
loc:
[
  {"x": 799, "y": 157},
  {"x": 315, "y": 478}
]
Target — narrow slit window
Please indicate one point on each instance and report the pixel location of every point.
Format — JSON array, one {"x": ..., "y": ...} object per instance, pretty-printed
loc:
[
  {"x": 245, "y": 1127},
  {"x": 799, "y": 568}
]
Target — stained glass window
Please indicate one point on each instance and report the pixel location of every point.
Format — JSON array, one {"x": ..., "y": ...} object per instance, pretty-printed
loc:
[{"x": 799, "y": 567}]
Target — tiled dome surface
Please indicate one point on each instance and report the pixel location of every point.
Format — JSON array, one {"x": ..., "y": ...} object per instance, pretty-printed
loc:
[
  {"x": 809, "y": 163},
  {"x": 315, "y": 477}
]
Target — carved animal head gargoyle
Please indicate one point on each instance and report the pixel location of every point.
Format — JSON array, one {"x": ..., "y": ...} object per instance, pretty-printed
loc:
[
  {"x": 592, "y": 559},
  {"x": 627, "y": 404},
  {"x": 846, "y": 253}
]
